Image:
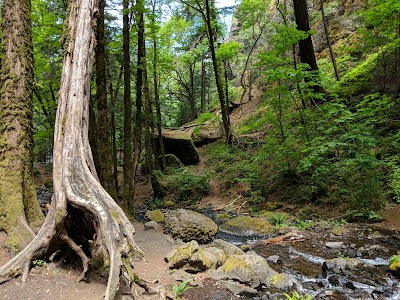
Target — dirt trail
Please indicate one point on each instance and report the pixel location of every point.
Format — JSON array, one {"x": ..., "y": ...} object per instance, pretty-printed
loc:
[{"x": 52, "y": 283}]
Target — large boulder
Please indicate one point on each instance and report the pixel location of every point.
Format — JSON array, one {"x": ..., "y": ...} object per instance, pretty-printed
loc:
[
  {"x": 206, "y": 134},
  {"x": 247, "y": 226},
  {"x": 188, "y": 225},
  {"x": 248, "y": 269},
  {"x": 181, "y": 145}
]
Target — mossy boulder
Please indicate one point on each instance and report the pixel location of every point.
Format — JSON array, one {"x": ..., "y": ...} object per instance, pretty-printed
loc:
[
  {"x": 395, "y": 265},
  {"x": 217, "y": 256},
  {"x": 181, "y": 256},
  {"x": 181, "y": 145},
  {"x": 228, "y": 248},
  {"x": 154, "y": 215},
  {"x": 172, "y": 161},
  {"x": 188, "y": 225},
  {"x": 190, "y": 257},
  {"x": 281, "y": 282},
  {"x": 249, "y": 269},
  {"x": 247, "y": 226},
  {"x": 205, "y": 135}
]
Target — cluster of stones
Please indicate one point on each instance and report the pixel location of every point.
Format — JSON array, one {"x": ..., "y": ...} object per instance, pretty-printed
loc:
[{"x": 242, "y": 273}]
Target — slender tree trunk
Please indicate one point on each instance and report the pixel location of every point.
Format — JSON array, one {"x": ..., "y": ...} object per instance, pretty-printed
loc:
[
  {"x": 105, "y": 159},
  {"x": 127, "y": 159},
  {"x": 224, "y": 112},
  {"x": 192, "y": 96},
  {"x": 18, "y": 203},
  {"x": 74, "y": 174},
  {"x": 328, "y": 40},
  {"x": 139, "y": 87},
  {"x": 157, "y": 101},
  {"x": 203, "y": 87}
]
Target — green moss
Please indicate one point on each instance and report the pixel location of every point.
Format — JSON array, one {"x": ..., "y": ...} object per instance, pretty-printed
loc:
[
  {"x": 223, "y": 216},
  {"x": 115, "y": 216},
  {"x": 277, "y": 279},
  {"x": 155, "y": 215},
  {"x": 235, "y": 262},
  {"x": 257, "y": 224}
]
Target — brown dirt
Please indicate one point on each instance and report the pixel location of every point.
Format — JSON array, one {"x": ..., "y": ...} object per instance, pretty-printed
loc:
[
  {"x": 391, "y": 214},
  {"x": 60, "y": 283}
]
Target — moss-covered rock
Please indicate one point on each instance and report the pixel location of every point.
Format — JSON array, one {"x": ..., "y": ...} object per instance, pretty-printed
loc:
[
  {"x": 228, "y": 248},
  {"x": 249, "y": 269},
  {"x": 155, "y": 215},
  {"x": 247, "y": 226},
  {"x": 218, "y": 254},
  {"x": 172, "y": 161},
  {"x": 181, "y": 256},
  {"x": 188, "y": 225},
  {"x": 281, "y": 282},
  {"x": 181, "y": 145}
]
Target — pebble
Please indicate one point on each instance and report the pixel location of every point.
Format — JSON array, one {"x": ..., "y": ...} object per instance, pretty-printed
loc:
[{"x": 334, "y": 245}]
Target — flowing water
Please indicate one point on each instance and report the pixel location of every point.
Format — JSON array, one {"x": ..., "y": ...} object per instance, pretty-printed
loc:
[{"x": 304, "y": 262}]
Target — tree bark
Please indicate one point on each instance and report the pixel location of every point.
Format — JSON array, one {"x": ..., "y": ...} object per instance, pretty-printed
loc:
[
  {"x": 127, "y": 159},
  {"x": 105, "y": 163},
  {"x": 328, "y": 40},
  {"x": 203, "y": 87},
  {"x": 74, "y": 174},
  {"x": 224, "y": 112},
  {"x": 307, "y": 54},
  {"x": 157, "y": 95},
  {"x": 139, "y": 89},
  {"x": 18, "y": 203}
]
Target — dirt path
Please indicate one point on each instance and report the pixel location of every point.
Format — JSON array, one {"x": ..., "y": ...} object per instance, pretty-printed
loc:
[{"x": 53, "y": 283}]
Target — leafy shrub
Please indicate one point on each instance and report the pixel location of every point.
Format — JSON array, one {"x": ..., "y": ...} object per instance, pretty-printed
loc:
[{"x": 184, "y": 185}]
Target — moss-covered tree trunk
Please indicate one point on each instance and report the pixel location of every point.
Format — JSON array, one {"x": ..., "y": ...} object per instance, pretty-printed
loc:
[
  {"x": 74, "y": 176},
  {"x": 18, "y": 204}
]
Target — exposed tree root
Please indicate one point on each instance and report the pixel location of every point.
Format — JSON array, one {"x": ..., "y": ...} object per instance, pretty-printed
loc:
[{"x": 74, "y": 176}]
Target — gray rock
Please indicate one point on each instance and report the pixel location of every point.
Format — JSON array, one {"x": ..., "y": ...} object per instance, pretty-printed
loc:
[
  {"x": 249, "y": 269},
  {"x": 189, "y": 225},
  {"x": 341, "y": 265},
  {"x": 239, "y": 289},
  {"x": 228, "y": 248},
  {"x": 274, "y": 258},
  {"x": 180, "y": 256},
  {"x": 334, "y": 245},
  {"x": 218, "y": 253},
  {"x": 151, "y": 225},
  {"x": 281, "y": 282}
]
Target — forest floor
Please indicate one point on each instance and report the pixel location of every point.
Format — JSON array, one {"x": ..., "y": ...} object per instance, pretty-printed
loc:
[{"x": 50, "y": 282}]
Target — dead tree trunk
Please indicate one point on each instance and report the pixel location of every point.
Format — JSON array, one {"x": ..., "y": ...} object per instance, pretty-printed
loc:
[{"x": 74, "y": 175}]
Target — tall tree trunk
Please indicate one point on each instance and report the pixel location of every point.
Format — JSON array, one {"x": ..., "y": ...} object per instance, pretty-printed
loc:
[
  {"x": 157, "y": 97},
  {"x": 139, "y": 87},
  {"x": 328, "y": 40},
  {"x": 307, "y": 54},
  {"x": 18, "y": 203},
  {"x": 224, "y": 112},
  {"x": 74, "y": 174},
  {"x": 127, "y": 159},
  {"x": 203, "y": 87},
  {"x": 105, "y": 162}
]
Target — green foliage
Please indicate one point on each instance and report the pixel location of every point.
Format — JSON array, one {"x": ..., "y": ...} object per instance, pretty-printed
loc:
[
  {"x": 228, "y": 51},
  {"x": 181, "y": 288},
  {"x": 185, "y": 186},
  {"x": 395, "y": 259},
  {"x": 39, "y": 263},
  {"x": 296, "y": 296},
  {"x": 303, "y": 224},
  {"x": 278, "y": 219}
]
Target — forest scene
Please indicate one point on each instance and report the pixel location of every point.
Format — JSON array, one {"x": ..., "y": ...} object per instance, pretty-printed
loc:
[{"x": 200, "y": 149}]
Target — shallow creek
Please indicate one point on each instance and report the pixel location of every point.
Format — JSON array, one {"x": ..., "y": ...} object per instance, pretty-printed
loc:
[{"x": 306, "y": 260}]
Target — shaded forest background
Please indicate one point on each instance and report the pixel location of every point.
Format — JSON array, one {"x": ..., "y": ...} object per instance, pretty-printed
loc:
[{"x": 282, "y": 130}]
